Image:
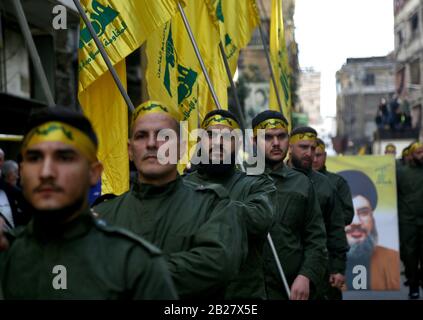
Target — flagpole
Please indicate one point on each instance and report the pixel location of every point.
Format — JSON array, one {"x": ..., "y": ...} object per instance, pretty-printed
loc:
[
  {"x": 198, "y": 54},
  {"x": 104, "y": 55},
  {"x": 269, "y": 63},
  {"x": 233, "y": 87},
  {"x": 278, "y": 264},
  {"x": 20, "y": 14}
]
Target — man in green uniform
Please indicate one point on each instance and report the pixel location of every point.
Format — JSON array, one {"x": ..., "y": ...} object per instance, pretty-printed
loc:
[
  {"x": 66, "y": 252},
  {"x": 251, "y": 193},
  {"x": 410, "y": 214},
  {"x": 302, "y": 149},
  {"x": 340, "y": 184},
  {"x": 197, "y": 227},
  {"x": 298, "y": 232}
]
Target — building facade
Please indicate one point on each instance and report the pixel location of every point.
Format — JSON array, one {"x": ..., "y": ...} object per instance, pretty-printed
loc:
[
  {"x": 361, "y": 84},
  {"x": 309, "y": 95},
  {"x": 408, "y": 21},
  {"x": 252, "y": 63}
]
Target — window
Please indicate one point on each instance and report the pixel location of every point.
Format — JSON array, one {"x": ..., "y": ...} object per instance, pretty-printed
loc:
[
  {"x": 414, "y": 24},
  {"x": 369, "y": 79},
  {"x": 415, "y": 72},
  {"x": 15, "y": 67},
  {"x": 400, "y": 38}
]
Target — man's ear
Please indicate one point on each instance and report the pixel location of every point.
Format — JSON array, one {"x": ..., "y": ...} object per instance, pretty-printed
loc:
[
  {"x": 130, "y": 153},
  {"x": 96, "y": 169}
]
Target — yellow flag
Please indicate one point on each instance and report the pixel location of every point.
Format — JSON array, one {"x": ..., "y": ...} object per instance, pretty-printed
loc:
[
  {"x": 108, "y": 113},
  {"x": 280, "y": 64},
  {"x": 122, "y": 26},
  {"x": 237, "y": 20},
  {"x": 174, "y": 74}
]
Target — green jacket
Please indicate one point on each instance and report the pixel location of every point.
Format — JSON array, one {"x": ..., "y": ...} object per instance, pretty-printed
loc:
[
  {"x": 253, "y": 194},
  {"x": 101, "y": 262},
  {"x": 334, "y": 222},
  {"x": 197, "y": 228},
  {"x": 298, "y": 233},
  {"x": 410, "y": 195},
  {"x": 333, "y": 217},
  {"x": 343, "y": 193}
]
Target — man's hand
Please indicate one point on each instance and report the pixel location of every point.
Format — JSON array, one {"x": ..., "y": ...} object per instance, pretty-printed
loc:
[
  {"x": 337, "y": 280},
  {"x": 300, "y": 289},
  {"x": 4, "y": 244}
]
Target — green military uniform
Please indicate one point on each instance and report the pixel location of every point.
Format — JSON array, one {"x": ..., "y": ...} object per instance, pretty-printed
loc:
[
  {"x": 410, "y": 214},
  {"x": 333, "y": 217},
  {"x": 342, "y": 192},
  {"x": 101, "y": 262},
  {"x": 197, "y": 228},
  {"x": 253, "y": 194},
  {"x": 298, "y": 233}
]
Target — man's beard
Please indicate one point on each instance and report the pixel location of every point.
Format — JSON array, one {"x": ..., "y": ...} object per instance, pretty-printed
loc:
[
  {"x": 362, "y": 250},
  {"x": 218, "y": 169},
  {"x": 360, "y": 254},
  {"x": 296, "y": 162}
]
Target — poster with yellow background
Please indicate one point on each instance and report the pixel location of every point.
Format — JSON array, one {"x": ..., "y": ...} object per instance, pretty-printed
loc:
[{"x": 373, "y": 258}]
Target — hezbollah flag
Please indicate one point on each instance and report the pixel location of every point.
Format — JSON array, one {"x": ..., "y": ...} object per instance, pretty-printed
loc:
[
  {"x": 174, "y": 74},
  {"x": 280, "y": 64},
  {"x": 235, "y": 29},
  {"x": 122, "y": 26}
]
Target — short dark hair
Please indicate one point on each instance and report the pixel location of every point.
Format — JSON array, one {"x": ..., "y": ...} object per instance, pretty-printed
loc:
[
  {"x": 299, "y": 130},
  {"x": 223, "y": 113},
  {"x": 361, "y": 184},
  {"x": 65, "y": 115},
  {"x": 265, "y": 115}
]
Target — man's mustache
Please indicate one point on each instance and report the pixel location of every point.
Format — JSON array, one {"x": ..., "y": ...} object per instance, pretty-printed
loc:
[
  {"x": 52, "y": 186},
  {"x": 352, "y": 229},
  {"x": 149, "y": 154}
]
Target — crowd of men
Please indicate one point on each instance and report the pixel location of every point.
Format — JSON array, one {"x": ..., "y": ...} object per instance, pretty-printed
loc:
[{"x": 213, "y": 233}]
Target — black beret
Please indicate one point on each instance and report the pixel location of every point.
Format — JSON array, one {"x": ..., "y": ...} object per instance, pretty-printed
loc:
[
  {"x": 265, "y": 115},
  {"x": 65, "y": 115},
  {"x": 360, "y": 184}
]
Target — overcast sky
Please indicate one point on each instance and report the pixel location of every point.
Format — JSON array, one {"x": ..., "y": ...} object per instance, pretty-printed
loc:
[{"x": 330, "y": 31}]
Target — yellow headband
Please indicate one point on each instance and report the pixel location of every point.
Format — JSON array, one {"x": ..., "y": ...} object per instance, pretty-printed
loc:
[
  {"x": 390, "y": 148},
  {"x": 415, "y": 146},
  {"x": 62, "y": 132},
  {"x": 219, "y": 119},
  {"x": 302, "y": 136},
  {"x": 321, "y": 146},
  {"x": 149, "y": 107},
  {"x": 270, "y": 124}
]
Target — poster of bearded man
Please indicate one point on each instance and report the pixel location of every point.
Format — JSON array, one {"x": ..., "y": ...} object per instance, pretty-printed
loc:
[{"x": 373, "y": 261}]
